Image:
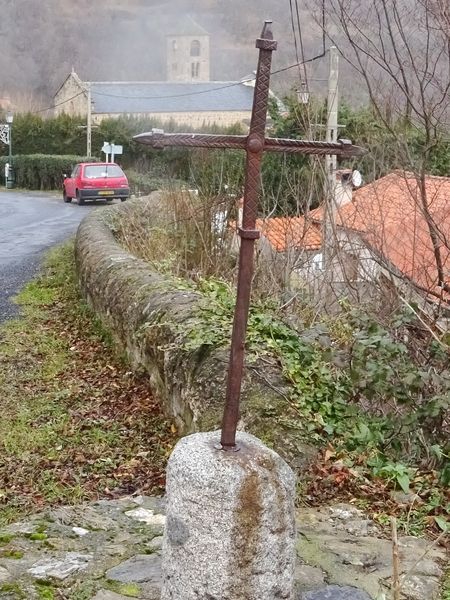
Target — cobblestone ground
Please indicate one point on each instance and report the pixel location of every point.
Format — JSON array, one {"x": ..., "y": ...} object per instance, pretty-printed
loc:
[{"x": 111, "y": 550}]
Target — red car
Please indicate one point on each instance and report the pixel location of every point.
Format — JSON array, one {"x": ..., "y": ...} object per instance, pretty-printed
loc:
[{"x": 94, "y": 181}]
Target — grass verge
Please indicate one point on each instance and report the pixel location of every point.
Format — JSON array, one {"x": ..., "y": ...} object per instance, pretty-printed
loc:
[{"x": 76, "y": 424}]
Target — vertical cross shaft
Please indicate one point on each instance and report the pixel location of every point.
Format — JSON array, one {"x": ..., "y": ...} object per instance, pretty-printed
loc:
[
  {"x": 255, "y": 143},
  {"x": 248, "y": 234}
]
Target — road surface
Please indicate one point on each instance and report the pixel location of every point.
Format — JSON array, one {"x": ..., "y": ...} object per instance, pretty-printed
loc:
[{"x": 30, "y": 223}]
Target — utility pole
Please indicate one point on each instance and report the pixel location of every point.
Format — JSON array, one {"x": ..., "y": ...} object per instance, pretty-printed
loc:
[
  {"x": 89, "y": 122},
  {"x": 330, "y": 165}
]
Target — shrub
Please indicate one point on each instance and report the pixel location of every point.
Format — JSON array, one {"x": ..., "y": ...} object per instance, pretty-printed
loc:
[
  {"x": 142, "y": 184},
  {"x": 40, "y": 171}
]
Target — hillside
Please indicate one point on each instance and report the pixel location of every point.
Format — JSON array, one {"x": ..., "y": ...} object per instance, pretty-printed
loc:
[{"x": 126, "y": 40}]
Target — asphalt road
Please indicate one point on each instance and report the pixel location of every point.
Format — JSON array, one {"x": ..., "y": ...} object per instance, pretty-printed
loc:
[{"x": 30, "y": 223}]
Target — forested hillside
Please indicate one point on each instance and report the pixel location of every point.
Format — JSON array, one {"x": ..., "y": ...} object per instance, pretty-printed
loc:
[{"x": 124, "y": 39}]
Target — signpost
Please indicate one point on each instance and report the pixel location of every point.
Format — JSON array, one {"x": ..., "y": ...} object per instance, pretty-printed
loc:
[
  {"x": 111, "y": 149},
  {"x": 255, "y": 144}
]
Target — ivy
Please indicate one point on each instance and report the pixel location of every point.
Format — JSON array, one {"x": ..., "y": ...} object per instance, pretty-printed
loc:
[{"x": 372, "y": 403}]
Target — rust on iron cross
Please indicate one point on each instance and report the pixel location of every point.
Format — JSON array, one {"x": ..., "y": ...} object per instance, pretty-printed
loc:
[{"x": 255, "y": 144}]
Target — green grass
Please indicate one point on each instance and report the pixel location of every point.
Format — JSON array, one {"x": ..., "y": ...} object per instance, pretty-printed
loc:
[
  {"x": 6, "y": 538},
  {"x": 125, "y": 589},
  {"x": 75, "y": 423},
  {"x": 13, "y": 588},
  {"x": 44, "y": 590},
  {"x": 12, "y": 554}
]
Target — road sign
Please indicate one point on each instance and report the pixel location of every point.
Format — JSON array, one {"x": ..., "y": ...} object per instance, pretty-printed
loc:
[{"x": 112, "y": 148}]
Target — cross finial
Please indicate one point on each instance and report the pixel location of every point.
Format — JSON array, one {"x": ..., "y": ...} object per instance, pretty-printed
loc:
[
  {"x": 266, "y": 42},
  {"x": 267, "y": 33}
]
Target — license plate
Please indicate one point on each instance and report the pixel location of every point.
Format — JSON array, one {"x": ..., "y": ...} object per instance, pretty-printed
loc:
[{"x": 106, "y": 193}]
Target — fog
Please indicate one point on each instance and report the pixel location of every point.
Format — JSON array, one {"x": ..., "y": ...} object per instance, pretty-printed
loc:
[{"x": 41, "y": 40}]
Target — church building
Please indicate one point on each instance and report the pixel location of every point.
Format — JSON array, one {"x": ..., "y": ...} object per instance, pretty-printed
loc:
[{"x": 186, "y": 97}]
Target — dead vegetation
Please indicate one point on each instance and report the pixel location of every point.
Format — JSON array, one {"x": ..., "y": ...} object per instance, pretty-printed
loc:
[{"x": 76, "y": 423}]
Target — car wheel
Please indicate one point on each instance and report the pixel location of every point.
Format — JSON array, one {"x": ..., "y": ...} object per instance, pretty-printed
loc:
[
  {"x": 80, "y": 200},
  {"x": 66, "y": 198},
  {"x": 123, "y": 199}
]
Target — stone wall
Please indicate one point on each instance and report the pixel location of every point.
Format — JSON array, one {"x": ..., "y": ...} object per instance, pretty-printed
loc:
[
  {"x": 142, "y": 308},
  {"x": 221, "y": 118},
  {"x": 68, "y": 98}
]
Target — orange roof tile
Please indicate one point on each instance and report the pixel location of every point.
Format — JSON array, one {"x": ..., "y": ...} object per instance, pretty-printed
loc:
[
  {"x": 285, "y": 233},
  {"x": 390, "y": 215}
]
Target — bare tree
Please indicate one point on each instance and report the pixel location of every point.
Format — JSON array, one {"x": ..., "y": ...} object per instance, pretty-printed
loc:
[{"x": 401, "y": 51}]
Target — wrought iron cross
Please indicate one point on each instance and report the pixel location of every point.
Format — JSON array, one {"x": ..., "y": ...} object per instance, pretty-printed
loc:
[{"x": 255, "y": 144}]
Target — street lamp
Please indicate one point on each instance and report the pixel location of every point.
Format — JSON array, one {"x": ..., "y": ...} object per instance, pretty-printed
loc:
[
  {"x": 10, "y": 175},
  {"x": 303, "y": 95}
]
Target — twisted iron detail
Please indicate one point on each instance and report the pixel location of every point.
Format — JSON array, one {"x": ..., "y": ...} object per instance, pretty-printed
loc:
[{"x": 240, "y": 142}]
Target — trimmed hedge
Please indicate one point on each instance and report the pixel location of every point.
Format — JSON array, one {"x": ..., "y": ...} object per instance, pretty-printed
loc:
[{"x": 41, "y": 171}]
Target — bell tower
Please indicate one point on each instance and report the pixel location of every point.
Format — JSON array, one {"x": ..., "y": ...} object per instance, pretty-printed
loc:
[{"x": 188, "y": 55}]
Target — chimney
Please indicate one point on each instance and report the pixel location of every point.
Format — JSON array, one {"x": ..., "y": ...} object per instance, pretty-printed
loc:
[{"x": 344, "y": 187}]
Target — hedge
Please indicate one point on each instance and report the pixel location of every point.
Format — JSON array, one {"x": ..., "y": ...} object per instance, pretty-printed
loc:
[{"x": 40, "y": 171}]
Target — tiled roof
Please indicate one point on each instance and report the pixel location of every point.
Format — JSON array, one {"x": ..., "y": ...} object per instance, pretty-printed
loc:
[
  {"x": 287, "y": 233},
  {"x": 165, "y": 97},
  {"x": 391, "y": 218}
]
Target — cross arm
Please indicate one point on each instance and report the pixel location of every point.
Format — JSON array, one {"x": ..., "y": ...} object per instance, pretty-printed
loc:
[
  {"x": 158, "y": 139},
  {"x": 342, "y": 147}
]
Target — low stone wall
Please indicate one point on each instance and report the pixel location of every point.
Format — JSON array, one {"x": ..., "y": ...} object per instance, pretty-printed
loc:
[{"x": 142, "y": 309}]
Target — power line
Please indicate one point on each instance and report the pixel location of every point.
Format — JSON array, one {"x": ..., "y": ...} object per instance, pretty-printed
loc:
[
  {"x": 301, "y": 44},
  {"x": 222, "y": 87},
  {"x": 294, "y": 34},
  {"x": 214, "y": 89},
  {"x": 41, "y": 110},
  {"x": 234, "y": 84}
]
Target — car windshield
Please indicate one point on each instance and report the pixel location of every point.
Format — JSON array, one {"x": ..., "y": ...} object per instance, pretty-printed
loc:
[{"x": 101, "y": 171}]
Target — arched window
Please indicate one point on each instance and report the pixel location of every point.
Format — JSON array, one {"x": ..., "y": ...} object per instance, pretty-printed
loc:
[
  {"x": 195, "y": 48},
  {"x": 174, "y": 45}
]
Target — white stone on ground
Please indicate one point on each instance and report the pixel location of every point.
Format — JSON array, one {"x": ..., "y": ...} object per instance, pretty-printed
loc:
[
  {"x": 146, "y": 516},
  {"x": 230, "y": 529},
  {"x": 60, "y": 568},
  {"x": 80, "y": 531}
]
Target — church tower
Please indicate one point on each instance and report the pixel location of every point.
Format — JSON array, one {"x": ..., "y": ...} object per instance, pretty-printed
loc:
[{"x": 188, "y": 56}]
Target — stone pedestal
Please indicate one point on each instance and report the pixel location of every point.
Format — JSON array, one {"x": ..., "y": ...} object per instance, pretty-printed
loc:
[{"x": 230, "y": 529}]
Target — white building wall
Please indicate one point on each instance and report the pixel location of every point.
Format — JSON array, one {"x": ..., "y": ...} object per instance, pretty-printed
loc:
[
  {"x": 71, "y": 98},
  {"x": 181, "y": 64}
]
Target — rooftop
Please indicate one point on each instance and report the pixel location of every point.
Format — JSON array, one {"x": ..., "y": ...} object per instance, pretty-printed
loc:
[
  {"x": 390, "y": 216},
  {"x": 165, "y": 97},
  {"x": 289, "y": 233}
]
